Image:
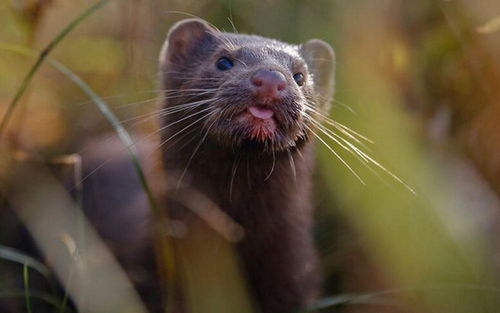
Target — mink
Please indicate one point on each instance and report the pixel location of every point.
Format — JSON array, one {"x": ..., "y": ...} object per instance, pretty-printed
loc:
[{"x": 237, "y": 127}]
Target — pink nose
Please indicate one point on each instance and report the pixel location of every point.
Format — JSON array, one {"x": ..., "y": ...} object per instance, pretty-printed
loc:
[{"x": 268, "y": 83}]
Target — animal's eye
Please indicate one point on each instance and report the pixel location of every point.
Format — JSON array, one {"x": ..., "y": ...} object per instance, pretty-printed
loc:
[
  {"x": 299, "y": 78},
  {"x": 224, "y": 64}
]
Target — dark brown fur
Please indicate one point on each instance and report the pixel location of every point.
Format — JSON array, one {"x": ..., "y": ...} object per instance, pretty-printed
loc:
[{"x": 264, "y": 185}]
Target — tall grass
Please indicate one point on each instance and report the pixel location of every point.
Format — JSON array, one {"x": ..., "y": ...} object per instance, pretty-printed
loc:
[
  {"x": 417, "y": 76},
  {"x": 43, "y": 54},
  {"x": 11, "y": 254}
]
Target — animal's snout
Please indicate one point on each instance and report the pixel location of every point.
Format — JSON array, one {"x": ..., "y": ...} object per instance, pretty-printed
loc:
[{"x": 268, "y": 84}]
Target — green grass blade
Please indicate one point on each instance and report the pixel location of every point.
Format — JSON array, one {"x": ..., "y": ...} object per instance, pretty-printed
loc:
[
  {"x": 381, "y": 296},
  {"x": 17, "y": 256},
  {"x": 27, "y": 297},
  {"x": 42, "y": 56},
  {"x": 117, "y": 126},
  {"x": 103, "y": 107},
  {"x": 65, "y": 299},
  {"x": 124, "y": 137},
  {"x": 53, "y": 301}
]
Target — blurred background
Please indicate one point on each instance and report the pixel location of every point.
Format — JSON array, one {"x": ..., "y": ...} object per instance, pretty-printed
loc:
[{"x": 419, "y": 79}]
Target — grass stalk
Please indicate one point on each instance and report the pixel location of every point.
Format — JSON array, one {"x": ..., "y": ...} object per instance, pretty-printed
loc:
[
  {"x": 41, "y": 57},
  {"x": 27, "y": 296},
  {"x": 47, "y": 298},
  {"x": 14, "y": 255},
  {"x": 164, "y": 245}
]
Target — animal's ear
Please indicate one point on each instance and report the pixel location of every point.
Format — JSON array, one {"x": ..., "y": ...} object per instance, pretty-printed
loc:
[
  {"x": 183, "y": 37},
  {"x": 320, "y": 59}
]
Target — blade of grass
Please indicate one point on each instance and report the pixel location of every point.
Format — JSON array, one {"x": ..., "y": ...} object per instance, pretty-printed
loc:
[
  {"x": 166, "y": 252},
  {"x": 94, "y": 280},
  {"x": 165, "y": 247},
  {"x": 42, "y": 56},
  {"x": 27, "y": 297},
  {"x": 343, "y": 299},
  {"x": 380, "y": 296},
  {"x": 66, "y": 292},
  {"x": 102, "y": 106},
  {"x": 77, "y": 176},
  {"x": 34, "y": 295},
  {"x": 17, "y": 256}
]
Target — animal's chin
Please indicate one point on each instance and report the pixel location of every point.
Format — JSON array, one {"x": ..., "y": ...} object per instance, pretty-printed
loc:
[
  {"x": 255, "y": 128},
  {"x": 242, "y": 139}
]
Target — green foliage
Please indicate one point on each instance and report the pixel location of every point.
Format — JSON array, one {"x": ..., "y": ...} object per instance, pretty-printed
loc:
[{"x": 414, "y": 77}]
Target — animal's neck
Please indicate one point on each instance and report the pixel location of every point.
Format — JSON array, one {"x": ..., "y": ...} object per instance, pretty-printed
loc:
[
  {"x": 269, "y": 196},
  {"x": 235, "y": 179}
]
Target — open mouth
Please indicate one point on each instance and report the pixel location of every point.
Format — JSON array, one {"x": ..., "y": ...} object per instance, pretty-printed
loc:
[
  {"x": 260, "y": 112},
  {"x": 260, "y": 121}
]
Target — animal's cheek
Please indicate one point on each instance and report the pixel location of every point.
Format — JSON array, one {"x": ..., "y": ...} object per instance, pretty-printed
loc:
[{"x": 299, "y": 105}]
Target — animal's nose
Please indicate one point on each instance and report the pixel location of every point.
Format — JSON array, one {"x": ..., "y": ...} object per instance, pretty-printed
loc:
[{"x": 268, "y": 83}]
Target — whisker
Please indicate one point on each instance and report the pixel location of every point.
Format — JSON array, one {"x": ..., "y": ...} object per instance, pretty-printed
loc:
[
  {"x": 177, "y": 133},
  {"x": 249, "y": 182},
  {"x": 345, "y": 106},
  {"x": 361, "y": 155},
  {"x": 380, "y": 166},
  {"x": 272, "y": 167},
  {"x": 334, "y": 102},
  {"x": 183, "y": 129},
  {"x": 334, "y": 124},
  {"x": 178, "y": 121},
  {"x": 337, "y": 124},
  {"x": 128, "y": 94},
  {"x": 333, "y": 136},
  {"x": 236, "y": 163},
  {"x": 181, "y": 138},
  {"x": 182, "y": 76},
  {"x": 169, "y": 95},
  {"x": 184, "y": 90},
  {"x": 300, "y": 154},
  {"x": 336, "y": 137},
  {"x": 184, "y": 118},
  {"x": 167, "y": 111},
  {"x": 230, "y": 19},
  {"x": 134, "y": 143},
  {"x": 336, "y": 154},
  {"x": 194, "y": 153},
  {"x": 127, "y": 105},
  {"x": 292, "y": 165},
  {"x": 160, "y": 98},
  {"x": 109, "y": 97}
]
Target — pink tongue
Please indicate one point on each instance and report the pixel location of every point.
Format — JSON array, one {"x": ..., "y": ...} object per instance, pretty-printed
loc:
[{"x": 260, "y": 112}]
